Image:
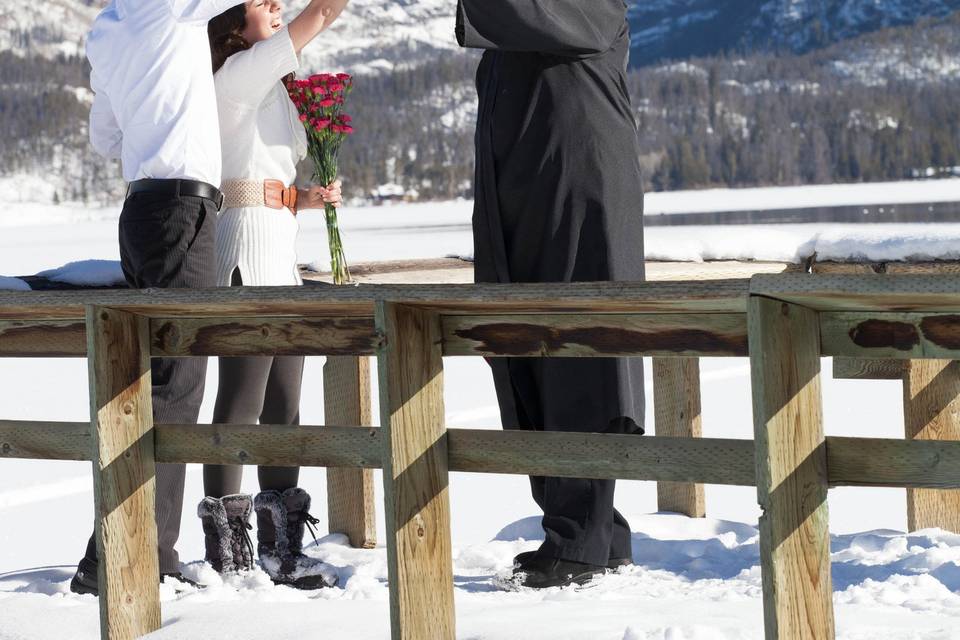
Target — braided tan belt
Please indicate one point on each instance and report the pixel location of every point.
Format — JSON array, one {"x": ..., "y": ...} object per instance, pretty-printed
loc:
[{"x": 259, "y": 193}]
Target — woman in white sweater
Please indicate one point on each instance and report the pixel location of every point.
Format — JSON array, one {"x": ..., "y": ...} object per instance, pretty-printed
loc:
[{"x": 263, "y": 142}]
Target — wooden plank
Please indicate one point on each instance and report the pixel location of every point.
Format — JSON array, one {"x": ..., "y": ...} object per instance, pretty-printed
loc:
[
  {"x": 902, "y": 293},
  {"x": 835, "y": 268},
  {"x": 270, "y": 445},
  {"x": 791, "y": 471},
  {"x": 51, "y": 339},
  {"x": 931, "y": 411},
  {"x": 891, "y": 335},
  {"x": 350, "y": 494},
  {"x": 676, "y": 404},
  {"x": 626, "y": 457},
  {"x": 930, "y": 268},
  {"x": 867, "y": 368},
  {"x": 124, "y": 473},
  {"x": 719, "y": 334},
  {"x": 45, "y": 440},
  {"x": 856, "y": 462},
  {"x": 177, "y": 337},
  {"x": 879, "y": 462},
  {"x": 415, "y": 474},
  {"x": 715, "y": 296}
]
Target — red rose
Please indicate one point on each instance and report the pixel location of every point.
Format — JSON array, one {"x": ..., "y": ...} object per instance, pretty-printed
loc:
[
  {"x": 335, "y": 86},
  {"x": 303, "y": 117},
  {"x": 343, "y": 76},
  {"x": 323, "y": 123},
  {"x": 327, "y": 102},
  {"x": 346, "y": 129},
  {"x": 345, "y": 119}
]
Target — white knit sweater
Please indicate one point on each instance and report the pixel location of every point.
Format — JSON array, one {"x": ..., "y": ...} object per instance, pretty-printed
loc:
[{"x": 262, "y": 138}]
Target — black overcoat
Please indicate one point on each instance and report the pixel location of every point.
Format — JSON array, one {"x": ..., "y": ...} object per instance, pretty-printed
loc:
[{"x": 558, "y": 189}]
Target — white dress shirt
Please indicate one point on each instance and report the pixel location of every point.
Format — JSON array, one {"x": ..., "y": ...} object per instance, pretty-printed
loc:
[
  {"x": 154, "y": 105},
  {"x": 263, "y": 139}
]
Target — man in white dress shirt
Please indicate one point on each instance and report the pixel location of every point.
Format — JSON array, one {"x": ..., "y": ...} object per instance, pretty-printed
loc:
[{"x": 155, "y": 109}]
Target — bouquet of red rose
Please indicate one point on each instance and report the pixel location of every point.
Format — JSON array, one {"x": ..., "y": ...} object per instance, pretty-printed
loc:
[{"x": 320, "y": 101}]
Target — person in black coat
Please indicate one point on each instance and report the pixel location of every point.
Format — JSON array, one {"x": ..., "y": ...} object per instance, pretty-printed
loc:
[{"x": 559, "y": 199}]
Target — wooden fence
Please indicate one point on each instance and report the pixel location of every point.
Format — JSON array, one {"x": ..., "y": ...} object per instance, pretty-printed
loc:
[{"x": 785, "y": 323}]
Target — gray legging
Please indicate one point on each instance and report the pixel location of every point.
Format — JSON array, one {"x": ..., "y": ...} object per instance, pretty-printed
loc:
[{"x": 252, "y": 389}]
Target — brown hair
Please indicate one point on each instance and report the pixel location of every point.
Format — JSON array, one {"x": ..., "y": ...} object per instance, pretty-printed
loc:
[{"x": 224, "y": 34}]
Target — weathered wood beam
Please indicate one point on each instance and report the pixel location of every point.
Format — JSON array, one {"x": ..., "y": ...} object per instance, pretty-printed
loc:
[
  {"x": 867, "y": 368},
  {"x": 872, "y": 293},
  {"x": 855, "y": 462},
  {"x": 714, "y": 296},
  {"x": 270, "y": 445},
  {"x": 719, "y": 334},
  {"x": 415, "y": 473},
  {"x": 178, "y": 337},
  {"x": 882, "y": 462},
  {"x": 33, "y": 440},
  {"x": 351, "y": 506},
  {"x": 38, "y": 339},
  {"x": 576, "y": 455},
  {"x": 931, "y": 410},
  {"x": 123, "y": 473},
  {"x": 792, "y": 480},
  {"x": 676, "y": 410},
  {"x": 906, "y": 336}
]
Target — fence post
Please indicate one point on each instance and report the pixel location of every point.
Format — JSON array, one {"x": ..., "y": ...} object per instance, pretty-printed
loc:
[
  {"x": 415, "y": 473},
  {"x": 118, "y": 353},
  {"x": 931, "y": 411},
  {"x": 791, "y": 470},
  {"x": 676, "y": 404},
  {"x": 350, "y": 494}
]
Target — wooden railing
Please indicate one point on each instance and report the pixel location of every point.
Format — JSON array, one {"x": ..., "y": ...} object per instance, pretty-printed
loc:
[{"x": 785, "y": 323}]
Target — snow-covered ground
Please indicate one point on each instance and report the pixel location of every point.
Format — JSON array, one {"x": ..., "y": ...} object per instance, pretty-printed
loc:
[{"x": 693, "y": 579}]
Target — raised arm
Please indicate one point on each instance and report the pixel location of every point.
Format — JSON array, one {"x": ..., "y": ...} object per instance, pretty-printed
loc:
[
  {"x": 318, "y": 15},
  {"x": 199, "y": 10},
  {"x": 574, "y": 28}
]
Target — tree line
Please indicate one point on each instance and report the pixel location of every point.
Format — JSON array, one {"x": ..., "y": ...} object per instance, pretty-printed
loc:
[{"x": 850, "y": 113}]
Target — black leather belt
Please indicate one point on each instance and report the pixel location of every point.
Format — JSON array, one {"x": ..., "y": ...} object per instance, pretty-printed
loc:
[{"x": 177, "y": 188}]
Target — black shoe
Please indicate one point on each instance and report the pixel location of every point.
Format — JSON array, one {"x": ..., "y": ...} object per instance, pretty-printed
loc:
[
  {"x": 540, "y": 572},
  {"x": 522, "y": 558},
  {"x": 85, "y": 579}
]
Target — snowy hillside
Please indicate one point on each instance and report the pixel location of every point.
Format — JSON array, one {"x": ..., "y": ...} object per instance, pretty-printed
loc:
[
  {"x": 47, "y": 28},
  {"x": 684, "y": 28},
  {"x": 377, "y": 34}
]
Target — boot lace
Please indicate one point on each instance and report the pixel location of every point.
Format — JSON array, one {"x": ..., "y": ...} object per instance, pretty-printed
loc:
[
  {"x": 241, "y": 526},
  {"x": 310, "y": 522}
]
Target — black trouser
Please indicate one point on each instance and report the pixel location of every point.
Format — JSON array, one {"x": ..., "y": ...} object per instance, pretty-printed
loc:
[
  {"x": 579, "y": 521},
  {"x": 252, "y": 389},
  {"x": 168, "y": 242}
]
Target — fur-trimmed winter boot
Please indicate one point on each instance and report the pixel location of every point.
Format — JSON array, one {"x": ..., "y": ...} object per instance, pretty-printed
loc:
[
  {"x": 225, "y": 524},
  {"x": 281, "y": 520}
]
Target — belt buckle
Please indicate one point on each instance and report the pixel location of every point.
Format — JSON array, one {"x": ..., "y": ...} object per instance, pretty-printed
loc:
[{"x": 220, "y": 199}]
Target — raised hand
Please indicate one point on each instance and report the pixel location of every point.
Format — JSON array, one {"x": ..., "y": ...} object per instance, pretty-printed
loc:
[{"x": 318, "y": 15}]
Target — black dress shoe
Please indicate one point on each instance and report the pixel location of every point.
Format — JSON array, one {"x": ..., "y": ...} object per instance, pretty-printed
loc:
[
  {"x": 521, "y": 558},
  {"x": 540, "y": 572},
  {"x": 85, "y": 579}
]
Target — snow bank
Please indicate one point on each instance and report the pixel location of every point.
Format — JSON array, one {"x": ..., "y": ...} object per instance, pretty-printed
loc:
[
  {"x": 796, "y": 243},
  {"x": 13, "y": 284},
  {"x": 694, "y": 579},
  {"x": 829, "y": 195}
]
